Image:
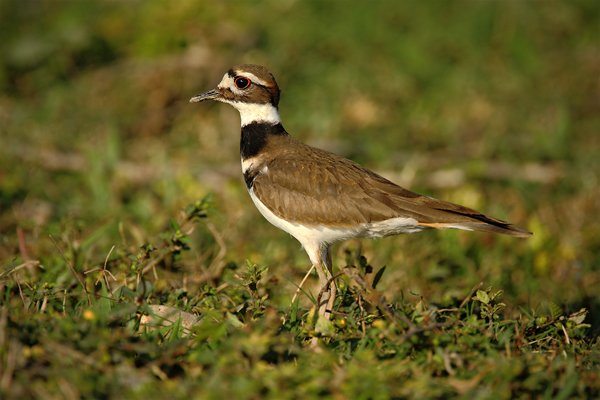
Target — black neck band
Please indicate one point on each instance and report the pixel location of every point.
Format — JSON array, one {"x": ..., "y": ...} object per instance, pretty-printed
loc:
[{"x": 254, "y": 137}]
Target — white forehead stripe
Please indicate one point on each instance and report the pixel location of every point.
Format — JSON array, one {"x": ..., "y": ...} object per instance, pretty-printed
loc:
[{"x": 226, "y": 82}]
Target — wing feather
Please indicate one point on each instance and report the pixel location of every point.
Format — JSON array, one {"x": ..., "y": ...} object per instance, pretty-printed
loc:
[{"x": 338, "y": 192}]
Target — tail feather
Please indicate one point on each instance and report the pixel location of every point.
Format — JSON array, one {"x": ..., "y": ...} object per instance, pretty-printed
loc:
[{"x": 479, "y": 222}]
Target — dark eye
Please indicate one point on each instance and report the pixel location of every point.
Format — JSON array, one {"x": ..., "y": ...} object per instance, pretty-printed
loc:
[{"x": 241, "y": 82}]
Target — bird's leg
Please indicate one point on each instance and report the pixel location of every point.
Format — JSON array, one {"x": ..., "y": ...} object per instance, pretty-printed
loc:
[
  {"x": 331, "y": 280},
  {"x": 328, "y": 287},
  {"x": 323, "y": 296}
]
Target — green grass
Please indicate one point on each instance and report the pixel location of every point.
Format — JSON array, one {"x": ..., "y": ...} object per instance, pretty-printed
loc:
[{"x": 117, "y": 196}]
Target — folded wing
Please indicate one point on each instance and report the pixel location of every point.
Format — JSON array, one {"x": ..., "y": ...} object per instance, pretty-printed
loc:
[{"x": 338, "y": 192}]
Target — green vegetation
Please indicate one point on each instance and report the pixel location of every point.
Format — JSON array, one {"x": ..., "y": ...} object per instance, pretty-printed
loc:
[{"x": 117, "y": 196}]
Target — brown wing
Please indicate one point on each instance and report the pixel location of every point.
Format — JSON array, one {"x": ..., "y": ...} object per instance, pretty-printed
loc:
[{"x": 313, "y": 186}]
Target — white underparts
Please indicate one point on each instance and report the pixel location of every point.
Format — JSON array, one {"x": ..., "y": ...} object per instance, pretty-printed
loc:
[{"x": 314, "y": 238}]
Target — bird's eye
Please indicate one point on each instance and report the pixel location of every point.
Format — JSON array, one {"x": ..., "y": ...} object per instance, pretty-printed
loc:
[{"x": 241, "y": 82}]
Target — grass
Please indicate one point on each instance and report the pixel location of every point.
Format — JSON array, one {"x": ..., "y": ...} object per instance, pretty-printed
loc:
[{"x": 117, "y": 197}]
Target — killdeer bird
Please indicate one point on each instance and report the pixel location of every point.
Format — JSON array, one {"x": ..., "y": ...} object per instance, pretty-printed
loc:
[{"x": 321, "y": 198}]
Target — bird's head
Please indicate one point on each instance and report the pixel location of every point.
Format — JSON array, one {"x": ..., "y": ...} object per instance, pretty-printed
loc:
[{"x": 251, "y": 89}]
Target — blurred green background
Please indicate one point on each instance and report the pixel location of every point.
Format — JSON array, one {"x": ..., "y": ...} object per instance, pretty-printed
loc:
[{"x": 492, "y": 104}]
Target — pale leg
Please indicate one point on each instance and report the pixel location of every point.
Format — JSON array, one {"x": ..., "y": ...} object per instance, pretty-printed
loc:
[
  {"x": 321, "y": 259},
  {"x": 328, "y": 286}
]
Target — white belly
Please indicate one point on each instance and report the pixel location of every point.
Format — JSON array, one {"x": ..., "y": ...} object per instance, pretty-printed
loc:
[{"x": 311, "y": 235}]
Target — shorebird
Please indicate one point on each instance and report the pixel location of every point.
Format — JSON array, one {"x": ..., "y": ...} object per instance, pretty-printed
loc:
[{"x": 321, "y": 198}]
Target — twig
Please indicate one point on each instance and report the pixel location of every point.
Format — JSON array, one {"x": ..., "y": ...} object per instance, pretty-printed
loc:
[
  {"x": 466, "y": 299},
  {"x": 566, "y": 334},
  {"x": 26, "y": 264},
  {"x": 106, "y": 271},
  {"x": 301, "y": 284},
  {"x": 362, "y": 320},
  {"x": 72, "y": 269},
  {"x": 44, "y": 304},
  {"x": 21, "y": 294},
  {"x": 103, "y": 272}
]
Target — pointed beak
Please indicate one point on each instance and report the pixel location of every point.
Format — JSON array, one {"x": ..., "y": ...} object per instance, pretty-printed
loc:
[{"x": 210, "y": 95}]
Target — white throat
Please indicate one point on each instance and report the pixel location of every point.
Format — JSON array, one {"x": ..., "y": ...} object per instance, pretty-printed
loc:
[{"x": 252, "y": 112}]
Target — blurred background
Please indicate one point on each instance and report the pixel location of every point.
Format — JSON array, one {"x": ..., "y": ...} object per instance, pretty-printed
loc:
[{"x": 495, "y": 105}]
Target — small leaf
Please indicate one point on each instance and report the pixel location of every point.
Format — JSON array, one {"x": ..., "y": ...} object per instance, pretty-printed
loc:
[
  {"x": 234, "y": 321},
  {"x": 579, "y": 316},
  {"x": 378, "y": 276},
  {"x": 483, "y": 297},
  {"x": 324, "y": 326},
  {"x": 555, "y": 310}
]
